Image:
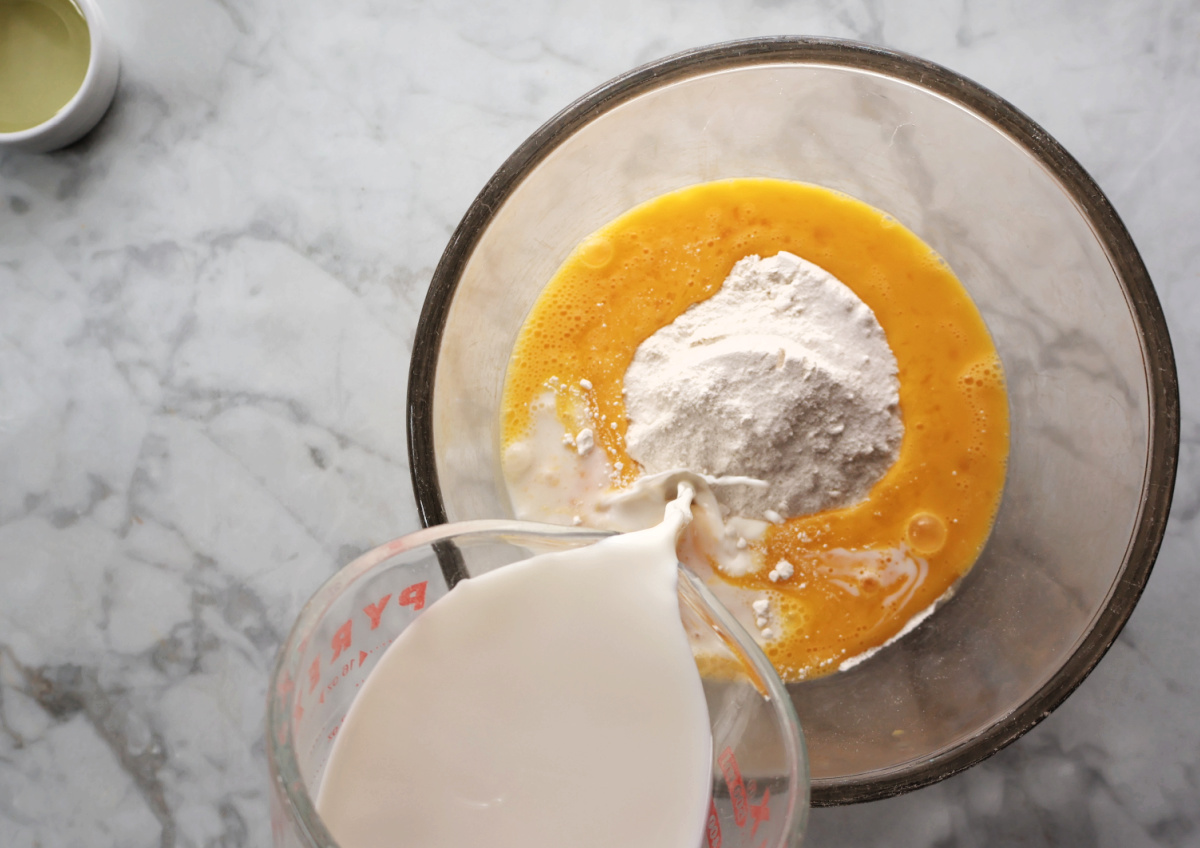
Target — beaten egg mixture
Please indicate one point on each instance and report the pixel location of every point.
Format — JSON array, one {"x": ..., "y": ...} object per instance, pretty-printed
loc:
[{"x": 858, "y": 574}]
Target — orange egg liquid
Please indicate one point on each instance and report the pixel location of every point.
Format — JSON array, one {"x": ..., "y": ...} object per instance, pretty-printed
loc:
[{"x": 937, "y": 502}]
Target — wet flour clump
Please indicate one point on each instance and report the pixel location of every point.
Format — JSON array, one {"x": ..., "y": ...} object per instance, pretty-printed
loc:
[{"x": 783, "y": 375}]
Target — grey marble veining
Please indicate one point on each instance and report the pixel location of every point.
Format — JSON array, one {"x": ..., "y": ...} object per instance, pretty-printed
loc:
[{"x": 206, "y": 312}]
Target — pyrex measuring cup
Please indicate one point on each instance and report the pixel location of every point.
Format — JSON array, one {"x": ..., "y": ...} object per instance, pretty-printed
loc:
[{"x": 759, "y": 795}]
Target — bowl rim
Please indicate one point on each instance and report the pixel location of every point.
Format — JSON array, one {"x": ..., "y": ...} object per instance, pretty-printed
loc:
[{"x": 1157, "y": 354}]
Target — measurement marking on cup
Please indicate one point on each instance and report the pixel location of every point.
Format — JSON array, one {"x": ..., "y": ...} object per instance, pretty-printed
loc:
[
  {"x": 412, "y": 597},
  {"x": 712, "y": 830},
  {"x": 341, "y": 662},
  {"x": 761, "y": 811},
  {"x": 343, "y": 638},
  {"x": 737, "y": 790},
  {"x": 333, "y": 733},
  {"x": 351, "y": 665}
]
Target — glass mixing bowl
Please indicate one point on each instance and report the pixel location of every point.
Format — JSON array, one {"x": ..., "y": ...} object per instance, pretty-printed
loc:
[
  {"x": 759, "y": 772},
  {"x": 1091, "y": 377}
]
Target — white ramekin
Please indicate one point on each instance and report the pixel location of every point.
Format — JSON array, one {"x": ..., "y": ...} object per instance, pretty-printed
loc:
[{"x": 89, "y": 104}]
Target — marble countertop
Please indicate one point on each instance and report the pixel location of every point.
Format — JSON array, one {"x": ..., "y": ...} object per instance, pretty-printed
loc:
[{"x": 206, "y": 312}]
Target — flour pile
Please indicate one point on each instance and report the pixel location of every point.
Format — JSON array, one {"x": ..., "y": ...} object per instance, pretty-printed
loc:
[{"x": 784, "y": 375}]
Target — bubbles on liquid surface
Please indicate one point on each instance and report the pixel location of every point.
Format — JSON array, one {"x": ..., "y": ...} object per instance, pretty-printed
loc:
[
  {"x": 926, "y": 533},
  {"x": 596, "y": 252}
]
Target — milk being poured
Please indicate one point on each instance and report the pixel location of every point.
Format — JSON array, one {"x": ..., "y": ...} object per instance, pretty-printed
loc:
[{"x": 551, "y": 702}]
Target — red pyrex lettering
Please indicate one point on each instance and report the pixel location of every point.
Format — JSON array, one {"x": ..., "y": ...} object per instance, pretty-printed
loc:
[
  {"x": 414, "y": 596},
  {"x": 341, "y": 640},
  {"x": 375, "y": 611},
  {"x": 737, "y": 790}
]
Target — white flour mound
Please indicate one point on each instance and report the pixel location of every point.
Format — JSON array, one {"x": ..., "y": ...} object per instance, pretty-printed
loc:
[{"x": 784, "y": 375}]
